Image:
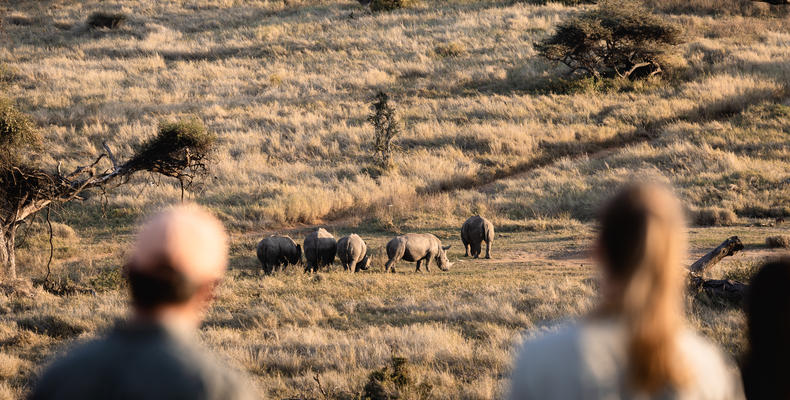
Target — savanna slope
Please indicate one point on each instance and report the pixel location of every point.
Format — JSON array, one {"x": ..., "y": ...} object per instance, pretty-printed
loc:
[{"x": 487, "y": 128}]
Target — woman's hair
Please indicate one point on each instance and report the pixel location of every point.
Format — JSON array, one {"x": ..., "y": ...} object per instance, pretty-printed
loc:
[
  {"x": 642, "y": 244},
  {"x": 768, "y": 319}
]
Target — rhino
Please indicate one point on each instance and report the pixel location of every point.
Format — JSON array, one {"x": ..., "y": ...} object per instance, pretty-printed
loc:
[
  {"x": 277, "y": 252},
  {"x": 417, "y": 247},
  {"x": 475, "y": 230},
  {"x": 353, "y": 253},
  {"x": 319, "y": 249}
]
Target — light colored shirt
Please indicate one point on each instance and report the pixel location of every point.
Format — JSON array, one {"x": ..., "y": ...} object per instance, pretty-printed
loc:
[{"x": 588, "y": 360}]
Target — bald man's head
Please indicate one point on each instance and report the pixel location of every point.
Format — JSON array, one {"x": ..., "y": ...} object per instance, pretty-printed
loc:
[{"x": 177, "y": 252}]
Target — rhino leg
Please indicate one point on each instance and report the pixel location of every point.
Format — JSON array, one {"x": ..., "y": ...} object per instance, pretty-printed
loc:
[
  {"x": 466, "y": 247},
  {"x": 488, "y": 249},
  {"x": 428, "y": 264},
  {"x": 394, "y": 258},
  {"x": 352, "y": 266},
  {"x": 418, "y": 265}
]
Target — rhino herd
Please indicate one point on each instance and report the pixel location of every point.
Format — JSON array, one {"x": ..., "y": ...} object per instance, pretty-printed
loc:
[{"x": 320, "y": 249}]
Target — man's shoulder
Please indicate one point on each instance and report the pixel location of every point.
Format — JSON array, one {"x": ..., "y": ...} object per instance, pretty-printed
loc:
[{"x": 84, "y": 353}]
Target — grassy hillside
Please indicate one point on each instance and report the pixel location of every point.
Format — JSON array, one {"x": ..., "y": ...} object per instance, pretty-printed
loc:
[{"x": 488, "y": 128}]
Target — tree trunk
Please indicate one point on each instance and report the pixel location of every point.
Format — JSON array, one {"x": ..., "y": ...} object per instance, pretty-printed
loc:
[
  {"x": 722, "y": 289},
  {"x": 7, "y": 255},
  {"x": 729, "y": 247}
]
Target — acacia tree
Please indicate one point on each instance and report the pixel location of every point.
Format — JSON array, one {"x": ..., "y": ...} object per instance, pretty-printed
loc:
[
  {"x": 618, "y": 38},
  {"x": 179, "y": 150}
]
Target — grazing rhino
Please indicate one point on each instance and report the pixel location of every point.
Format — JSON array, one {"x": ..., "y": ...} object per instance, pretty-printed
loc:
[
  {"x": 319, "y": 249},
  {"x": 475, "y": 230},
  {"x": 417, "y": 247},
  {"x": 353, "y": 253},
  {"x": 277, "y": 252}
]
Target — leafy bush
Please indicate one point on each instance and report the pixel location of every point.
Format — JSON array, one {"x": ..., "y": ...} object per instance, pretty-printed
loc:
[
  {"x": 778, "y": 241},
  {"x": 714, "y": 216},
  {"x": 106, "y": 20},
  {"x": 16, "y": 129},
  {"x": 386, "y": 129},
  {"x": 389, "y": 5},
  {"x": 618, "y": 38},
  {"x": 176, "y": 146}
]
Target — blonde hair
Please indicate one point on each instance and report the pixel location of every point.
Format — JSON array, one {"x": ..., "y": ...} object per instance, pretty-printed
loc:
[{"x": 642, "y": 244}]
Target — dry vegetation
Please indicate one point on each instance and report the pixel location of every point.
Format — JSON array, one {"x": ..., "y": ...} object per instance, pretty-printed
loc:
[{"x": 486, "y": 127}]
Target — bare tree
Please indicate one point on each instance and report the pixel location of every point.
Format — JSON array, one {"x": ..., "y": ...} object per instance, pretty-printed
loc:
[
  {"x": 386, "y": 129},
  {"x": 178, "y": 150}
]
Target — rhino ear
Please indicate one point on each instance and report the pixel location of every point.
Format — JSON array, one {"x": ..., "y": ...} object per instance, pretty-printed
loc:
[{"x": 445, "y": 248}]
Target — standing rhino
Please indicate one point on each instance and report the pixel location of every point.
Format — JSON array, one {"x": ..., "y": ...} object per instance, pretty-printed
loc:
[
  {"x": 353, "y": 253},
  {"x": 475, "y": 230},
  {"x": 276, "y": 252},
  {"x": 319, "y": 249},
  {"x": 417, "y": 247}
]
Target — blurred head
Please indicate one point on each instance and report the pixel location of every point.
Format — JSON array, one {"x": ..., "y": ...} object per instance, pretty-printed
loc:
[
  {"x": 444, "y": 263},
  {"x": 768, "y": 319},
  {"x": 179, "y": 257},
  {"x": 640, "y": 247}
]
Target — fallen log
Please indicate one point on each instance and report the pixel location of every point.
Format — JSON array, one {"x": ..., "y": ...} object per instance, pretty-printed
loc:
[
  {"x": 720, "y": 289},
  {"x": 728, "y": 248}
]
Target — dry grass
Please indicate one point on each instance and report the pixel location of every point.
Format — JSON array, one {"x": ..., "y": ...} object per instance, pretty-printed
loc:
[
  {"x": 457, "y": 329},
  {"x": 778, "y": 241},
  {"x": 487, "y": 129}
]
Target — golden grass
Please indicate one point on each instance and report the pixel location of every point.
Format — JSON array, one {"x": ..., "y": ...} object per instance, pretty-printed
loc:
[{"x": 487, "y": 130}]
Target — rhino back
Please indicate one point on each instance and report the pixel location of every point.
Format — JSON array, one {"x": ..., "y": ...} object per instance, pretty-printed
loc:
[{"x": 419, "y": 244}]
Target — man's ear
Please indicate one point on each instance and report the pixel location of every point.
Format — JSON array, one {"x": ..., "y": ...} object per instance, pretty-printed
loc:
[{"x": 205, "y": 293}]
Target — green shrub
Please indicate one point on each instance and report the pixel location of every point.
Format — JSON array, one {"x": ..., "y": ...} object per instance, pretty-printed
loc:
[
  {"x": 386, "y": 129},
  {"x": 16, "y": 129},
  {"x": 618, "y": 38},
  {"x": 177, "y": 145},
  {"x": 389, "y": 5}
]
